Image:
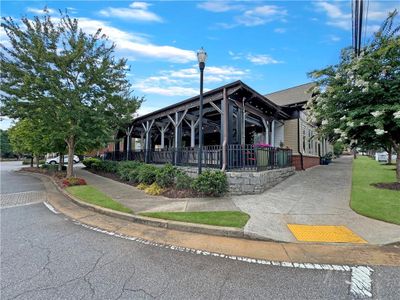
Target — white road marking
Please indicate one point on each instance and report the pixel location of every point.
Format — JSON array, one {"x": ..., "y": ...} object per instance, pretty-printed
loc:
[
  {"x": 360, "y": 285},
  {"x": 18, "y": 205},
  {"x": 51, "y": 208},
  {"x": 361, "y": 282}
]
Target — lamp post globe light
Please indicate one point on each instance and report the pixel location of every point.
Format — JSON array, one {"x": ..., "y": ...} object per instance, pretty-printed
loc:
[{"x": 201, "y": 57}]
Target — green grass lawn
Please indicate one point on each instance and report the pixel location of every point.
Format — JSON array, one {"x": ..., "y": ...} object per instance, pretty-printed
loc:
[
  {"x": 91, "y": 195},
  {"x": 219, "y": 218},
  {"x": 381, "y": 204}
]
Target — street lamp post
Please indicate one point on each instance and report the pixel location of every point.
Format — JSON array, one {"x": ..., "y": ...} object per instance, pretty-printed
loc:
[{"x": 201, "y": 57}]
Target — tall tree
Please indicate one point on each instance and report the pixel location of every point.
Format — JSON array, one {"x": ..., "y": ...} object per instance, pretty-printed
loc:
[
  {"x": 68, "y": 79},
  {"x": 358, "y": 100},
  {"x": 6, "y": 149},
  {"x": 27, "y": 137}
]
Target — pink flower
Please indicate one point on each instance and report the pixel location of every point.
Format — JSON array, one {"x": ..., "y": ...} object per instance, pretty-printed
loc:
[{"x": 261, "y": 145}]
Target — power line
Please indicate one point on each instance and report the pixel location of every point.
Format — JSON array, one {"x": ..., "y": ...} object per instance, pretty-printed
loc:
[{"x": 357, "y": 24}]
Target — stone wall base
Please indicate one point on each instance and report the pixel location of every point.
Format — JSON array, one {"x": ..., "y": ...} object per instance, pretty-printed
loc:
[{"x": 241, "y": 183}]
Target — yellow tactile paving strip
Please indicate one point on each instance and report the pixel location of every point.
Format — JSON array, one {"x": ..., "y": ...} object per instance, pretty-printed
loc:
[{"x": 325, "y": 233}]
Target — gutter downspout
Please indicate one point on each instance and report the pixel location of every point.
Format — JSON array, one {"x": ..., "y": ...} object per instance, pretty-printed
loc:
[{"x": 298, "y": 141}]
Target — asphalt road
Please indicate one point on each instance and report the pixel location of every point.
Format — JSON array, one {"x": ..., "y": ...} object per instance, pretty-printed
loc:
[{"x": 46, "y": 256}]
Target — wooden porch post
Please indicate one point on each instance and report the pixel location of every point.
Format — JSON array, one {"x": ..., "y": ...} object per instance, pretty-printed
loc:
[
  {"x": 273, "y": 133},
  {"x": 192, "y": 125},
  {"x": 147, "y": 130},
  {"x": 178, "y": 131},
  {"x": 163, "y": 129},
  {"x": 266, "y": 126},
  {"x": 128, "y": 141}
]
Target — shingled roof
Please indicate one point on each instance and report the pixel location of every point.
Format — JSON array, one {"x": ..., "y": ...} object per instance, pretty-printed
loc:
[{"x": 294, "y": 95}]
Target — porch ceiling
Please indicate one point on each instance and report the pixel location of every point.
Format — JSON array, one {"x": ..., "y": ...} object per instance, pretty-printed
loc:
[{"x": 236, "y": 91}]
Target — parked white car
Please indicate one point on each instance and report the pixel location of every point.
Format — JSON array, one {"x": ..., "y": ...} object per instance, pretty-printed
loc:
[{"x": 56, "y": 160}]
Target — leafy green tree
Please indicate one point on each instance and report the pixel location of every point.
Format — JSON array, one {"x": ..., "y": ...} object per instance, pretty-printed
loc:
[
  {"x": 27, "y": 137},
  {"x": 68, "y": 79},
  {"x": 6, "y": 149},
  {"x": 358, "y": 100}
]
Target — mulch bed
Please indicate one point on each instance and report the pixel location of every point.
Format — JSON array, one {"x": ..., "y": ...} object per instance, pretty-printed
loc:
[
  {"x": 395, "y": 186},
  {"x": 174, "y": 193},
  {"x": 169, "y": 193}
]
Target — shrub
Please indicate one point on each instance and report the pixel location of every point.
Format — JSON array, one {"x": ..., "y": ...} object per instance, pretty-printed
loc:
[
  {"x": 125, "y": 168},
  {"x": 142, "y": 186},
  {"x": 166, "y": 175},
  {"x": 88, "y": 162},
  {"x": 133, "y": 175},
  {"x": 211, "y": 183},
  {"x": 147, "y": 174},
  {"x": 71, "y": 181},
  {"x": 104, "y": 165},
  {"x": 183, "y": 181},
  {"x": 154, "y": 189},
  {"x": 109, "y": 166}
]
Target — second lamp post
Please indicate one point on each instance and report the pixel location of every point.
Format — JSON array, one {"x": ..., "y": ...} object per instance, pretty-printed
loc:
[{"x": 201, "y": 57}]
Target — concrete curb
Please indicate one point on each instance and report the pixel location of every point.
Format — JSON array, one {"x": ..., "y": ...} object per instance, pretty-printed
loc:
[{"x": 175, "y": 225}]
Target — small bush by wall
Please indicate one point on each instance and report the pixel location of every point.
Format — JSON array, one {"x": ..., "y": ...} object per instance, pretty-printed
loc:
[
  {"x": 183, "y": 181},
  {"x": 211, "y": 183}
]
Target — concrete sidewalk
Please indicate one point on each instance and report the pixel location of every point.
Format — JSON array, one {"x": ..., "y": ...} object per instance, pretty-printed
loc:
[
  {"x": 139, "y": 201},
  {"x": 287, "y": 252},
  {"x": 318, "y": 196}
]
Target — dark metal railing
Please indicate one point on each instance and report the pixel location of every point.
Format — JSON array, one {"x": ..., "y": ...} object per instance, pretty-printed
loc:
[
  {"x": 254, "y": 158},
  {"x": 240, "y": 157}
]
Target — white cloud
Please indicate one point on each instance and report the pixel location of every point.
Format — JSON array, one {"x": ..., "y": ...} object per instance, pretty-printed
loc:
[
  {"x": 262, "y": 59},
  {"x": 336, "y": 17},
  {"x": 261, "y": 15},
  {"x": 334, "y": 38},
  {"x": 219, "y": 6},
  {"x": 280, "y": 30},
  {"x": 257, "y": 59},
  {"x": 137, "y": 11},
  {"x": 39, "y": 11},
  {"x": 184, "y": 82},
  {"x": 134, "y": 45},
  {"x": 146, "y": 109}
]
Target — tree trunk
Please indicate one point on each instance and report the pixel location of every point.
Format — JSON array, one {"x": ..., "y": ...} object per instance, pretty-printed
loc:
[
  {"x": 61, "y": 161},
  {"x": 32, "y": 160},
  {"x": 390, "y": 155},
  {"x": 37, "y": 161},
  {"x": 355, "y": 153},
  {"x": 71, "y": 149},
  {"x": 398, "y": 166}
]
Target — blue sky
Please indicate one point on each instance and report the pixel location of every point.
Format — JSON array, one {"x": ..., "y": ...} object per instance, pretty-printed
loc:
[{"x": 270, "y": 45}]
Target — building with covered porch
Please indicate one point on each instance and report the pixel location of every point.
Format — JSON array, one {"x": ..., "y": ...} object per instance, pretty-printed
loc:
[
  {"x": 242, "y": 130},
  {"x": 259, "y": 140}
]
